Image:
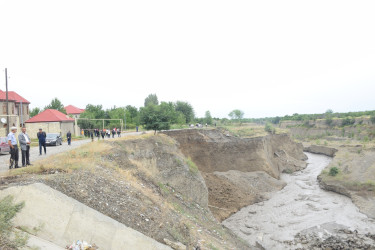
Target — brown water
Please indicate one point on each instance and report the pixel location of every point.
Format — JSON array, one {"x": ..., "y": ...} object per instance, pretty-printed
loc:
[{"x": 302, "y": 204}]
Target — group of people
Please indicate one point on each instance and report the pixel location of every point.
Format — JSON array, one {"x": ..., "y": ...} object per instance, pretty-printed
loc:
[
  {"x": 102, "y": 133},
  {"x": 24, "y": 141}
]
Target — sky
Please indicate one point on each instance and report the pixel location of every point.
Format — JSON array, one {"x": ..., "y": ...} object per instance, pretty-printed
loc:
[{"x": 266, "y": 58}]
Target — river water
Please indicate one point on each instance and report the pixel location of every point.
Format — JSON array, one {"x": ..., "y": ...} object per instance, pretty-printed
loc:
[{"x": 302, "y": 204}]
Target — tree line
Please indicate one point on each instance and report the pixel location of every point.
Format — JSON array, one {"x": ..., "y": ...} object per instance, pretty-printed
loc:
[{"x": 154, "y": 115}]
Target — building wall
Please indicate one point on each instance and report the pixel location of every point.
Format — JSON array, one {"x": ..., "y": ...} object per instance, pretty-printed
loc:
[
  {"x": 48, "y": 127},
  {"x": 67, "y": 126},
  {"x": 14, "y": 110}
]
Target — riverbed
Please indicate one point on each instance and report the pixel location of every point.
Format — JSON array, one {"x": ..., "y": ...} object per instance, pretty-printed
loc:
[{"x": 300, "y": 205}]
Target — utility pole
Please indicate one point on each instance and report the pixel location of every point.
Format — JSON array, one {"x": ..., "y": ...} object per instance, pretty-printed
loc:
[
  {"x": 21, "y": 115},
  {"x": 125, "y": 119},
  {"x": 6, "y": 86}
]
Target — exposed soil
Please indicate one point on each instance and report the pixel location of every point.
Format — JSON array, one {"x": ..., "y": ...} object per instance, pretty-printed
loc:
[
  {"x": 239, "y": 171},
  {"x": 145, "y": 184}
]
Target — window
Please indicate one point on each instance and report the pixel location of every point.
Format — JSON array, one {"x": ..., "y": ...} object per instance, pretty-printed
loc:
[
  {"x": 4, "y": 109},
  {"x": 27, "y": 109},
  {"x": 12, "y": 109}
]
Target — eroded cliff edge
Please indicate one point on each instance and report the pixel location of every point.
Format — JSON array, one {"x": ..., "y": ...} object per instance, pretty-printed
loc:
[{"x": 239, "y": 171}]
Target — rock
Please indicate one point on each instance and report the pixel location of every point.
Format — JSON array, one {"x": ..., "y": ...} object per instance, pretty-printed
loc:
[{"x": 175, "y": 245}]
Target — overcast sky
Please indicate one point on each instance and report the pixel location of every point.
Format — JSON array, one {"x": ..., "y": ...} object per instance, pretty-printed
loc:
[{"x": 266, "y": 58}]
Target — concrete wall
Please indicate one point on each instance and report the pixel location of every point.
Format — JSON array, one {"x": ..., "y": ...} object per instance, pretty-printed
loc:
[
  {"x": 67, "y": 126},
  {"x": 50, "y": 127},
  {"x": 63, "y": 220}
]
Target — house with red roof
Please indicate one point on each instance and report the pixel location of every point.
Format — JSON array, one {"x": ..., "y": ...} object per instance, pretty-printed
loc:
[
  {"x": 18, "y": 108},
  {"x": 51, "y": 121},
  {"x": 73, "y": 111}
]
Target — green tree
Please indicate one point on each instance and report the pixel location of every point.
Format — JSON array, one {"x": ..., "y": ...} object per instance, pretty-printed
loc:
[
  {"x": 151, "y": 99},
  {"x": 236, "y": 115},
  {"x": 56, "y": 104},
  {"x": 208, "y": 117},
  {"x": 34, "y": 111},
  {"x": 131, "y": 114},
  {"x": 187, "y": 110},
  {"x": 93, "y": 112},
  {"x": 329, "y": 111},
  {"x": 155, "y": 117}
]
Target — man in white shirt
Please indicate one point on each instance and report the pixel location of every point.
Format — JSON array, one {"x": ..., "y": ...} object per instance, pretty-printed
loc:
[
  {"x": 24, "y": 140},
  {"x": 12, "y": 141}
]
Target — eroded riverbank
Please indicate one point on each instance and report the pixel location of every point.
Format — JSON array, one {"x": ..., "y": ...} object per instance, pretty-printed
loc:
[{"x": 301, "y": 205}]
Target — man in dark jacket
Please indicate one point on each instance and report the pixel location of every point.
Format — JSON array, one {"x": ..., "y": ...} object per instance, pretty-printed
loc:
[
  {"x": 69, "y": 137},
  {"x": 42, "y": 141}
]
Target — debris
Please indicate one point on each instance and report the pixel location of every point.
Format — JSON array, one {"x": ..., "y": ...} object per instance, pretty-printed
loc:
[{"x": 81, "y": 245}]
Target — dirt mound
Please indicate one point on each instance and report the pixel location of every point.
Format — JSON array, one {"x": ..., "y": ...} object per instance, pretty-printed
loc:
[
  {"x": 230, "y": 191},
  {"x": 239, "y": 171}
]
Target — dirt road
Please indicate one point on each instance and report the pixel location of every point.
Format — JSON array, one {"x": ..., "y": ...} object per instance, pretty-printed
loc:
[{"x": 51, "y": 150}]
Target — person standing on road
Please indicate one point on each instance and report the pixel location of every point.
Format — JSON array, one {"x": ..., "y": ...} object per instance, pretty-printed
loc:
[
  {"x": 113, "y": 132},
  {"x": 25, "y": 141},
  {"x": 69, "y": 137},
  {"x": 12, "y": 141},
  {"x": 118, "y": 132},
  {"x": 92, "y": 135},
  {"x": 103, "y": 134},
  {"x": 42, "y": 141}
]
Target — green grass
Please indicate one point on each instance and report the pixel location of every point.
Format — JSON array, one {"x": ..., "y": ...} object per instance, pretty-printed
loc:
[{"x": 192, "y": 167}]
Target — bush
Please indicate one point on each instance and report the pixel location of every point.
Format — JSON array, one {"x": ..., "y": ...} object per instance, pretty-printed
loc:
[
  {"x": 347, "y": 121},
  {"x": 329, "y": 121},
  {"x": 8, "y": 211},
  {"x": 372, "y": 119},
  {"x": 333, "y": 171},
  {"x": 269, "y": 128}
]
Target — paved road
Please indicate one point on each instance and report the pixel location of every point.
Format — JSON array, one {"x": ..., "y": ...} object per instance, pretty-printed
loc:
[{"x": 51, "y": 150}]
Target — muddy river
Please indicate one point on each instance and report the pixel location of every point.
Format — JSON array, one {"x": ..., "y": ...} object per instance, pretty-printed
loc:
[{"x": 302, "y": 204}]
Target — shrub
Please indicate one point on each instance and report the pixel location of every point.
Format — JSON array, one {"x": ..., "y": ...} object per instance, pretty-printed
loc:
[
  {"x": 347, "y": 121},
  {"x": 333, "y": 171},
  {"x": 269, "y": 128},
  {"x": 372, "y": 119},
  {"x": 8, "y": 211},
  {"x": 329, "y": 121}
]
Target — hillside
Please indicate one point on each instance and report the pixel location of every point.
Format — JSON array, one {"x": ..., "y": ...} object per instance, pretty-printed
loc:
[{"x": 177, "y": 186}]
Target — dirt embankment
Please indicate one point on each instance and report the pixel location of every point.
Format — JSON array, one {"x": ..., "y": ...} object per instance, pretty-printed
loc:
[
  {"x": 239, "y": 171},
  {"x": 323, "y": 150},
  {"x": 145, "y": 183},
  {"x": 355, "y": 177}
]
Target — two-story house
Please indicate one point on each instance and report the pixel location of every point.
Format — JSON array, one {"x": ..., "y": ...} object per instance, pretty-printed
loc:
[{"x": 18, "y": 109}]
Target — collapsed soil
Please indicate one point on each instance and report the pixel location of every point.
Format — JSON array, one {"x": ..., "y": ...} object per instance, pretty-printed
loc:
[{"x": 134, "y": 183}]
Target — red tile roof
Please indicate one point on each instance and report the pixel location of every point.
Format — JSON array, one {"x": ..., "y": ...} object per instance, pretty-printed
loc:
[
  {"x": 13, "y": 97},
  {"x": 70, "y": 109},
  {"x": 50, "y": 115}
]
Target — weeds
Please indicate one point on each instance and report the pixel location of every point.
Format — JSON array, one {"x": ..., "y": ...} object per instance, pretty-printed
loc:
[
  {"x": 8, "y": 238},
  {"x": 192, "y": 167}
]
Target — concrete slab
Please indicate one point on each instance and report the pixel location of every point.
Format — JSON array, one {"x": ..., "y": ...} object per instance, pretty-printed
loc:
[{"x": 63, "y": 220}]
